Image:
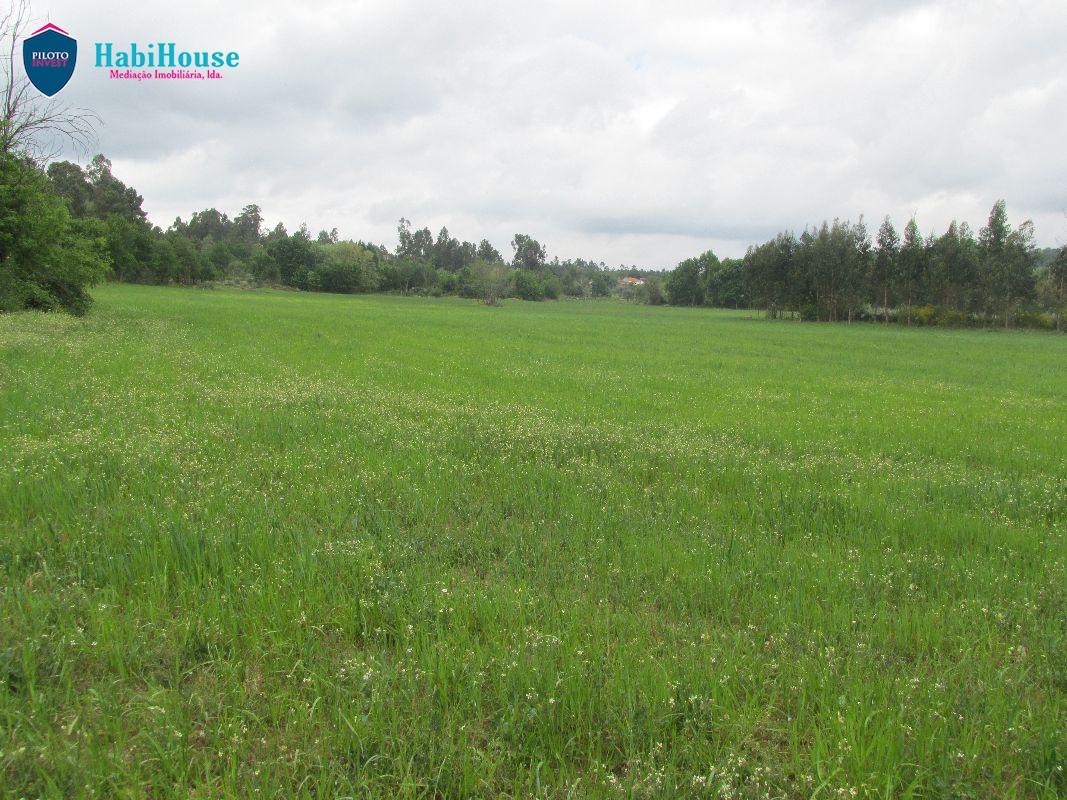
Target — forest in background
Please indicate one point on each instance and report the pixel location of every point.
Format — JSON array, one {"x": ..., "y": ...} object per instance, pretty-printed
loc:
[{"x": 65, "y": 227}]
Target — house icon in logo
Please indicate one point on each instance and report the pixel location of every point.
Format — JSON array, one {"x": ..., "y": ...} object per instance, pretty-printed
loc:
[{"x": 49, "y": 55}]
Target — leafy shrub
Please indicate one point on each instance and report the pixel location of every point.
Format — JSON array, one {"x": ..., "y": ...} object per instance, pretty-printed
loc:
[
  {"x": 951, "y": 318},
  {"x": 1035, "y": 319},
  {"x": 528, "y": 286},
  {"x": 924, "y": 315},
  {"x": 46, "y": 261},
  {"x": 447, "y": 282},
  {"x": 553, "y": 287},
  {"x": 650, "y": 293}
]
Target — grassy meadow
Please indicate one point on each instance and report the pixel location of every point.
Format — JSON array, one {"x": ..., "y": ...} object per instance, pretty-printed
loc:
[{"x": 264, "y": 544}]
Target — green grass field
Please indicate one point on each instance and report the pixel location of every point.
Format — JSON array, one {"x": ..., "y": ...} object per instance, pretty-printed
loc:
[{"x": 284, "y": 545}]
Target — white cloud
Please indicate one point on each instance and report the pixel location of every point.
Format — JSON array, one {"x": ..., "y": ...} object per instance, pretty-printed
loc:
[{"x": 629, "y": 132}]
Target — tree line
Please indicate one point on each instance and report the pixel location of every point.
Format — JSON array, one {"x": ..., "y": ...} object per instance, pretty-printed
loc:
[
  {"x": 65, "y": 227},
  {"x": 838, "y": 271},
  {"x": 211, "y": 246}
]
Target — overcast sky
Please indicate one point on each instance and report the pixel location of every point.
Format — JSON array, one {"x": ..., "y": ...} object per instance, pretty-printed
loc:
[{"x": 636, "y": 133}]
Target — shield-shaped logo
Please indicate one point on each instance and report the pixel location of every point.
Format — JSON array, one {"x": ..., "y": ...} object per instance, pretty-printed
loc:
[{"x": 49, "y": 55}]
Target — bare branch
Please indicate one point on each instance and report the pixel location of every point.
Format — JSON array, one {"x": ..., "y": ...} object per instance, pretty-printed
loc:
[{"x": 31, "y": 125}]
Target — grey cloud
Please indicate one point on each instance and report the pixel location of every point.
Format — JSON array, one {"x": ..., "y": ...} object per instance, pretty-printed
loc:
[{"x": 636, "y": 132}]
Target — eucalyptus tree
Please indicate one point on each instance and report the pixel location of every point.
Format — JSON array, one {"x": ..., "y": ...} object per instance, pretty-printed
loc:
[
  {"x": 1057, "y": 281},
  {"x": 529, "y": 253},
  {"x": 1006, "y": 262},
  {"x": 884, "y": 265},
  {"x": 910, "y": 264}
]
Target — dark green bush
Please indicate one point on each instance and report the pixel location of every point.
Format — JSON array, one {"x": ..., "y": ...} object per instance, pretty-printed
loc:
[
  {"x": 528, "y": 286},
  {"x": 46, "y": 261},
  {"x": 951, "y": 318}
]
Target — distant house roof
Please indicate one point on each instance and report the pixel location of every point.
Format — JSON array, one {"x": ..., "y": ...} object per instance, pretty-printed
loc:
[{"x": 632, "y": 281}]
